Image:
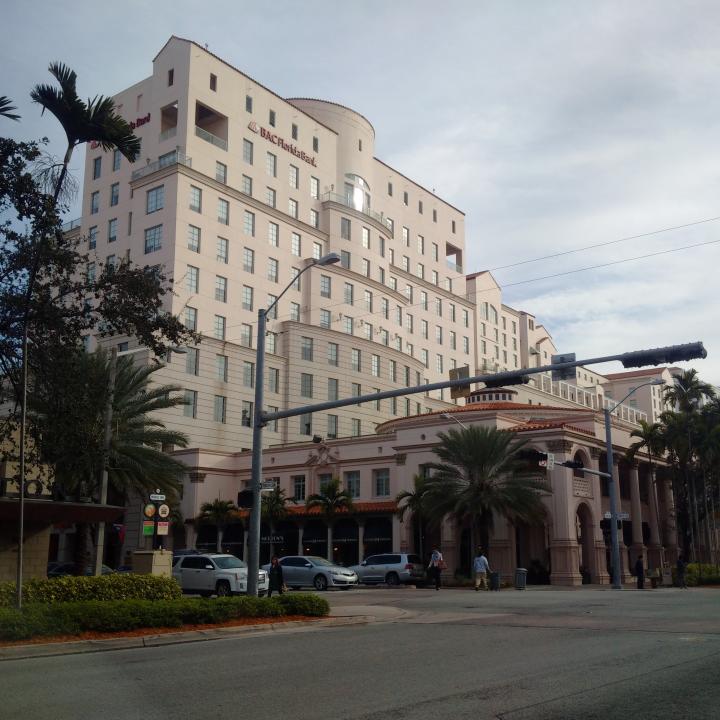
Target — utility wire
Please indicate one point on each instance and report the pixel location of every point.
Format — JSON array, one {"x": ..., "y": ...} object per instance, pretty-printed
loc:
[{"x": 605, "y": 244}]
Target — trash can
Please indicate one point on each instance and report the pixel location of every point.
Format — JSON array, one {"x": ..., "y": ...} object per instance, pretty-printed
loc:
[
  {"x": 494, "y": 580},
  {"x": 520, "y": 578}
]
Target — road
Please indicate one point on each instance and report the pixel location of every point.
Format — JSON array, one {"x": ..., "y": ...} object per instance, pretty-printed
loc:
[{"x": 454, "y": 654}]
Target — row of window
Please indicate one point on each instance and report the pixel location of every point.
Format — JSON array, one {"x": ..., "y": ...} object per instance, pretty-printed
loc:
[
  {"x": 351, "y": 483},
  {"x": 97, "y": 164},
  {"x": 406, "y": 202}
]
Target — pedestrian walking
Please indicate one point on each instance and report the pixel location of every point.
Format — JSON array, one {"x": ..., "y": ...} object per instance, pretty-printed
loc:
[
  {"x": 681, "y": 568},
  {"x": 640, "y": 572},
  {"x": 436, "y": 566},
  {"x": 481, "y": 566},
  {"x": 275, "y": 578}
]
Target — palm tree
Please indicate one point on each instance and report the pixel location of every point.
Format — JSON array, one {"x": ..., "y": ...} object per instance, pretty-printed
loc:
[
  {"x": 481, "y": 472},
  {"x": 6, "y": 108},
  {"x": 91, "y": 121},
  {"x": 414, "y": 502},
  {"x": 688, "y": 391},
  {"x": 274, "y": 509},
  {"x": 331, "y": 500},
  {"x": 219, "y": 513}
]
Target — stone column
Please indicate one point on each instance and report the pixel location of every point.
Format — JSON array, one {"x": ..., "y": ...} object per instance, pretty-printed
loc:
[
  {"x": 624, "y": 564},
  {"x": 501, "y": 553},
  {"x": 655, "y": 551},
  {"x": 671, "y": 539},
  {"x": 449, "y": 545},
  {"x": 190, "y": 535},
  {"x": 638, "y": 547},
  {"x": 301, "y": 531},
  {"x": 599, "y": 572},
  {"x": 245, "y": 545},
  {"x": 395, "y": 520}
]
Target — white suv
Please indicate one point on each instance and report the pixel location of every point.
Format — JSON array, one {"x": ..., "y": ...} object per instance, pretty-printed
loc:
[{"x": 213, "y": 573}]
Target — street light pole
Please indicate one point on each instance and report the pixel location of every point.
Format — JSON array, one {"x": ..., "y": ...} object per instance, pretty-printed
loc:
[
  {"x": 614, "y": 541},
  {"x": 259, "y": 422}
]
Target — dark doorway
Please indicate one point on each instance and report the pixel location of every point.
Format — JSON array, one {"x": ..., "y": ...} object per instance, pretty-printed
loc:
[
  {"x": 378, "y": 536},
  {"x": 345, "y": 542}
]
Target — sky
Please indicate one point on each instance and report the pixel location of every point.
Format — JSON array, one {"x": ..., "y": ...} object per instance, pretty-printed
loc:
[{"x": 553, "y": 125}]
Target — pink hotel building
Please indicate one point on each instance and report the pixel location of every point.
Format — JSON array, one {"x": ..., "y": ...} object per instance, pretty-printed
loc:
[{"x": 236, "y": 188}]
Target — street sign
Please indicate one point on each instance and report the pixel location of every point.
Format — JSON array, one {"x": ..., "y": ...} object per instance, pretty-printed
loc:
[
  {"x": 163, "y": 528},
  {"x": 156, "y": 496},
  {"x": 164, "y": 510},
  {"x": 268, "y": 485},
  {"x": 458, "y": 374},
  {"x": 148, "y": 527},
  {"x": 620, "y": 516}
]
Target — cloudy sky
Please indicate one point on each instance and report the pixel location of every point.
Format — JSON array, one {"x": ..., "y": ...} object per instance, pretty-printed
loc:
[{"x": 553, "y": 125}]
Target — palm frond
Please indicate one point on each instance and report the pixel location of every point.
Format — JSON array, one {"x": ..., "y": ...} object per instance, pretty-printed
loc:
[{"x": 6, "y": 108}]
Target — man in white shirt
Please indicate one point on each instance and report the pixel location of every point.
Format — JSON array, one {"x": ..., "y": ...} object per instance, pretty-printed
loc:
[
  {"x": 436, "y": 566},
  {"x": 482, "y": 568}
]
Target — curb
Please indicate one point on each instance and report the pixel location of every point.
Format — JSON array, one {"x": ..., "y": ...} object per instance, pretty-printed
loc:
[{"x": 77, "y": 647}]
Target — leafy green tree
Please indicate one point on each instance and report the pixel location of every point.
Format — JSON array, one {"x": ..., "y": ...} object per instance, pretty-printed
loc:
[
  {"x": 219, "y": 513},
  {"x": 331, "y": 501},
  {"x": 414, "y": 502},
  {"x": 480, "y": 472}
]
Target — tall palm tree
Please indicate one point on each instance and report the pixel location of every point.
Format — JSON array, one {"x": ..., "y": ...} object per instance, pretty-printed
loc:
[
  {"x": 688, "y": 391},
  {"x": 414, "y": 502},
  {"x": 6, "y": 108},
  {"x": 331, "y": 500},
  {"x": 274, "y": 509},
  {"x": 219, "y": 513},
  {"x": 481, "y": 472}
]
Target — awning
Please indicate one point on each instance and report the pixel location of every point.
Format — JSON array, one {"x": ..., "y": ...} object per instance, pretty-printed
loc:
[{"x": 50, "y": 512}]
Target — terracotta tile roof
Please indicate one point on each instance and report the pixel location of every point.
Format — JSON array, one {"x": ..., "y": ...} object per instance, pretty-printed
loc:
[
  {"x": 635, "y": 373},
  {"x": 560, "y": 424},
  {"x": 359, "y": 508}
]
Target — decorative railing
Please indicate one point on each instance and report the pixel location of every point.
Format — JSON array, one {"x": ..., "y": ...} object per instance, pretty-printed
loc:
[
  {"x": 344, "y": 200},
  {"x": 71, "y": 225},
  {"x": 174, "y": 158},
  {"x": 212, "y": 139}
]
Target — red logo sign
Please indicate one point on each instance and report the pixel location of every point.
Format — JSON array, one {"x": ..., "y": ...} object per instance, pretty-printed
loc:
[{"x": 277, "y": 140}]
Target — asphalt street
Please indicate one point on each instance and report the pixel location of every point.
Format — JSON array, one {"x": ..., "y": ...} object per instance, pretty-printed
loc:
[{"x": 456, "y": 654}]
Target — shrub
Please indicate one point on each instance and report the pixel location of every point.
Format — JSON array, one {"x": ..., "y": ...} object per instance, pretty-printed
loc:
[
  {"x": 73, "y": 618},
  {"x": 118, "y": 586},
  {"x": 702, "y": 574}
]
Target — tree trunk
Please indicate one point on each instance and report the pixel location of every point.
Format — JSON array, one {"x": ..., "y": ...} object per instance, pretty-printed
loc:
[
  {"x": 695, "y": 522},
  {"x": 218, "y": 544}
]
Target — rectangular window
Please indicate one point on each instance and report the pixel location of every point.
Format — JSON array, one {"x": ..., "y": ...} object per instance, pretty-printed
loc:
[
  {"x": 247, "y": 152},
  {"x": 294, "y": 131},
  {"x": 345, "y": 228},
  {"x": 195, "y": 199},
  {"x": 345, "y": 259},
  {"x": 385, "y": 308},
  {"x": 270, "y": 197},
  {"x": 271, "y": 164},
  {"x": 317, "y": 251},
  {"x": 247, "y": 297},
  {"x": 405, "y": 198},
  {"x": 221, "y": 288},
  {"x": 249, "y": 223},
  {"x": 366, "y": 238},
  {"x": 298, "y": 484},
  {"x": 213, "y": 87},
  {"x": 314, "y": 188},
  {"x": 248, "y": 374},
  {"x": 272, "y": 303},
  {"x": 273, "y": 234},
  {"x": 248, "y": 103},
  {"x": 306, "y": 424},
  {"x": 114, "y": 194},
  {"x": 349, "y": 293},
  {"x": 221, "y": 172},
  {"x": 192, "y": 279},
  {"x": 332, "y": 427},
  {"x": 375, "y": 365},
  {"x": 112, "y": 230},
  {"x": 97, "y": 167},
  {"x": 222, "y": 250},
  {"x": 221, "y": 367},
  {"x": 223, "y": 211},
  {"x": 271, "y": 343},
  {"x": 352, "y": 480},
  {"x": 306, "y": 385},
  {"x": 293, "y": 208},
  {"x": 153, "y": 239},
  {"x": 219, "y": 327},
  {"x": 220, "y": 408},
  {"x": 325, "y": 286},
  {"x": 92, "y": 237},
  {"x": 246, "y": 335},
  {"x": 246, "y": 185},
  {"x": 190, "y": 407},
  {"x": 368, "y": 300},
  {"x": 95, "y": 202},
  {"x": 155, "y": 199},
  {"x": 271, "y": 118},
  {"x": 333, "y": 354},
  {"x": 296, "y": 245},
  {"x": 306, "y": 348},
  {"x": 272, "y": 270},
  {"x": 192, "y": 361},
  {"x": 117, "y": 155},
  {"x": 295, "y": 274},
  {"x": 193, "y": 239},
  {"x": 190, "y": 318},
  {"x": 355, "y": 360},
  {"x": 294, "y": 177},
  {"x": 315, "y": 218},
  {"x": 381, "y": 482},
  {"x": 333, "y": 390},
  {"x": 356, "y": 430},
  {"x": 325, "y": 319},
  {"x": 295, "y": 312},
  {"x": 348, "y": 325},
  {"x": 273, "y": 380},
  {"x": 247, "y": 414}
]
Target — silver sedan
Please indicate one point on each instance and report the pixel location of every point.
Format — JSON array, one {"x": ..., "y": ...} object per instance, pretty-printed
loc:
[{"x": 312, "y": 571}]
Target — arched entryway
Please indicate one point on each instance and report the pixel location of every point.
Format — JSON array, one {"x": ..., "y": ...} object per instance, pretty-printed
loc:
[
  {"x": 531, "y": 552},
  {"x": 585, "y": 537}
]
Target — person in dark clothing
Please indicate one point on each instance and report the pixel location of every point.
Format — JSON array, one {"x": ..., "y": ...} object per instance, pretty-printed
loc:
[
  {"x": 640, "y": 572},
  {"x": 275, "y": 577},
  {"x": 681, "y": 567},
  {"x": 436, "y": 566}
]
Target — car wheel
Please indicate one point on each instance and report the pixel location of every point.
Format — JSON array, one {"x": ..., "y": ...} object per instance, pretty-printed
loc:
[
  {"x": 320, "y": 582},
  {"x": 223, "y": 589},
  {"x": 392, "y": 579}
]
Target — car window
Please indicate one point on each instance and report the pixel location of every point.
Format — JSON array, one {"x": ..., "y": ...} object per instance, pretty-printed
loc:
[
  {"x": 292, "y": 562},
  {"x": 229, "y": 563},
  {"x": 193, "y": 562},
  {"x": 371, "y": 560},
  {"x": 383, "y": 560}
]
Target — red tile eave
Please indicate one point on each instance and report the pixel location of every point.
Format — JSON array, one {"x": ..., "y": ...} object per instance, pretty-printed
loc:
[
  {"x": 529, "y": 427},
  {"x": 359, "y": 508}
]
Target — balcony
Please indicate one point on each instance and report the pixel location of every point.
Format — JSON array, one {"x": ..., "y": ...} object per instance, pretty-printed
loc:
[
  {"x": 212, "y": 139},
  {"x": 169, "y": 133},
  {"x": 71, "y": 225},
  {"x": 172, "y": 158},
  {"x": 347, "y": 202},
  {"x": 455, "y": 267}
]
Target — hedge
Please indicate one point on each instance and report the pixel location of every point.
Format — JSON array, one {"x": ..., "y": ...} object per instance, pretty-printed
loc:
[
  {"x": 117, "y": 586},
  {"x": 710, "y": 574},
  {"x": 73, "y": 618}
]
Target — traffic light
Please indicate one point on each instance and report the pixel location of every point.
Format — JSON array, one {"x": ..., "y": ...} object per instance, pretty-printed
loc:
[
  {"x": 664, "y": 355},
  {"x": 564, "y": 373},
  {"x": 460, "y": 373},
  {"x": 520, "y": 380},
  {"x": 575, "y": 464}
]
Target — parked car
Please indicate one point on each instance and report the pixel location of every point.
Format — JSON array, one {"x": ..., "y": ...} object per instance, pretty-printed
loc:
[
  {"x": 177, "y": 554},
  {"x": 391, "y": 568},
  {"x": 311, "y": 571},
  {"x": 61, "y": 569},
  {"x": 213, "y": 573}
]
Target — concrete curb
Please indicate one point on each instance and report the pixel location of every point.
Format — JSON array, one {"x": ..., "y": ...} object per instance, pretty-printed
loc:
[{"x": 77, "y": 647}]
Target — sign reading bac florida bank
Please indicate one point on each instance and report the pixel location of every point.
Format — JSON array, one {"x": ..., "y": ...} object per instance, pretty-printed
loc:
[{"x": 280, "y": 142}]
